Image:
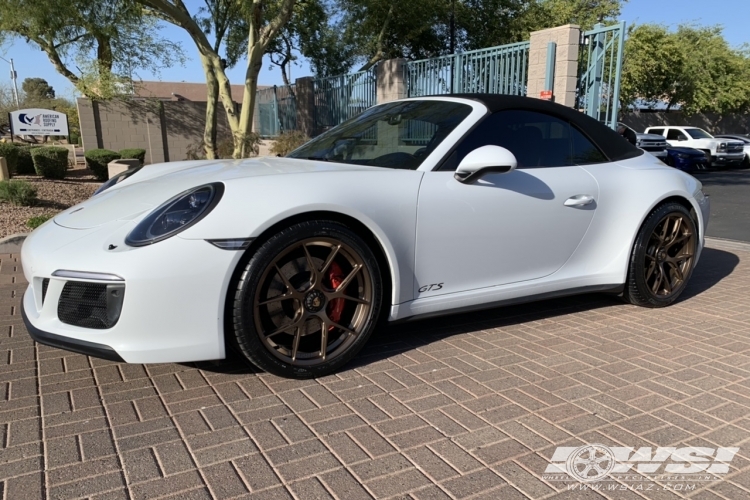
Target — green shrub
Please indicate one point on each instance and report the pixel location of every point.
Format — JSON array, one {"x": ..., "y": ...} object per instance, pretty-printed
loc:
[
  {"x": 24, "y": 162},
  {"x": 18, "y": 193},
  {"x": 35, "y": 222},
  {"x": 50, "y": 162},
  {"x": 98, "y": 159},
  {"x": 288, "y": 142},
  {"x": 9, "y": 151},
  {"x": 137, "y": 153}
]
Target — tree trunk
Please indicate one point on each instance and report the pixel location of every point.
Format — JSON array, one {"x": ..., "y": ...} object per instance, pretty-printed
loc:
[
  {"x": 254, "y": 64},
  {"x": 210, "y": 130}
]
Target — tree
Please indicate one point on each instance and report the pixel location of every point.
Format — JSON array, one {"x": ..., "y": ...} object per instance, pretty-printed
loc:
[
  {"x": 97, "y": 45},
  {"x": 264, "y": 20},
  {"x": 38, "y": 89},
  {"x": 693, "y": 68}
]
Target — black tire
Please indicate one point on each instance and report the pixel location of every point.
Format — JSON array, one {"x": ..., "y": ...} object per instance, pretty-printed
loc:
[
  {"x": 642, "y": 288},
  {"x": 254, "y": 344},
  {"x": 745, "y": 163}
]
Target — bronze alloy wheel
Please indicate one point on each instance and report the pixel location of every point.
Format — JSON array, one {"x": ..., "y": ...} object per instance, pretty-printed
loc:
[
  {"x": 312, "y": 301},
  {"x": 308, "y": 300},
  {"x": 670, "y": 254},
  {"x": 663, "y": 257}
]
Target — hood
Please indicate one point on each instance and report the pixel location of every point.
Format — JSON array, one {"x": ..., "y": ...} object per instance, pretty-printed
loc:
[
  {"x": 155, "y": 184},
  {"x": 651, "y": 137},
  {"x": 686, "y": 151}
]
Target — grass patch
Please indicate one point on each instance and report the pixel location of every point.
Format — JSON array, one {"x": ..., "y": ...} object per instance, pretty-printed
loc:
[{"x": 35, "y": 222}]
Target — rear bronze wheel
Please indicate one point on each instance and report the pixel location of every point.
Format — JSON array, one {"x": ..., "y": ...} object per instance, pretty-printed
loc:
[
  {"x": 308, "y": 300},
  {"x": 663, "y": 257}
]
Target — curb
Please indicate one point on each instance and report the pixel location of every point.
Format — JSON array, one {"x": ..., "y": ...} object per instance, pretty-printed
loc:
[
  {"x": 723, "y": 244},
  {"x": 12, "y": 243}
]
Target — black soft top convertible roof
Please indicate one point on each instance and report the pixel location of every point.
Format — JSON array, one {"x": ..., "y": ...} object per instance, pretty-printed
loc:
[{"x": 613, "y": 145}]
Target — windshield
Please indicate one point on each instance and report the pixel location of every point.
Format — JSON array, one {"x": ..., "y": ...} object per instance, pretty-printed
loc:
[
  {"x": 397, "y": 135},
  {"x": 697, "y": 133}
]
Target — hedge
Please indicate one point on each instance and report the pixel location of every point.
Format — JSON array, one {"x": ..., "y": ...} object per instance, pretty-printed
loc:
[
  {"x": 24, "y": 162},
  {"x": 9, "y": 151},
  {"x": 137, "y": 153},
  {"x": 98, "y": 159},
  {"x": 50, "y": 162}
]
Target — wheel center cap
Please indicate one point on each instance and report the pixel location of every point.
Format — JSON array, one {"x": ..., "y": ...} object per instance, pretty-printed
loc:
[
  {"x": 661, "y": 255},
  {"x": 314, "y": 301}
]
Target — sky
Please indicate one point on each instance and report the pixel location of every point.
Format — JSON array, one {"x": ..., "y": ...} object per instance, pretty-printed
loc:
[{"x": 733, "y": 15}]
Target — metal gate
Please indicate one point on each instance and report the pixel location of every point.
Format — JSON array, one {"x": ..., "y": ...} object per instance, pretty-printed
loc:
[
  {"x": 495, "y": 70},
  {"x": 338, "y": 98},
  {"x": 276, "y": 109},
  {"x": 600, "y": 71}
]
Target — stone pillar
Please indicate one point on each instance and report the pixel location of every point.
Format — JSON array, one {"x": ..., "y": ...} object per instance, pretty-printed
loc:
[
  {"x": 567, "y": 39},
  {"x": 90, "y": 133},
  {"x": 305, "y": 100},
  {"x": 391, "y": 80}
]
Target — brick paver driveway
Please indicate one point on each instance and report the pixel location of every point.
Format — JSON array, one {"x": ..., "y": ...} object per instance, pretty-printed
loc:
[{"x": 466, "y": 406}]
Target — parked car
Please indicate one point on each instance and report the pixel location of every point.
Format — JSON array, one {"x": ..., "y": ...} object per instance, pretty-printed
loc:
[
  {"x": 653, "y": 143},
  {"x": 417, "y": 207},
  {"x": 719, "y": 152},
  {"x": 687, "y": 159},
  {"x": 746, "y": 144}
]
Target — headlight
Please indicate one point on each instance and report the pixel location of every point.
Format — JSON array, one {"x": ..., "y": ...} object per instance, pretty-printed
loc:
[
  {"x": 723, "y": 146},
  {"x": 683, "y": 156},
  {"x": 176, "y": 215},
  {"x": 117, "y": 178}
]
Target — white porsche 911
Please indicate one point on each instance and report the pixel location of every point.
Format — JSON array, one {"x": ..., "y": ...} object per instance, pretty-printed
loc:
[{"x": 416, "y": 207}]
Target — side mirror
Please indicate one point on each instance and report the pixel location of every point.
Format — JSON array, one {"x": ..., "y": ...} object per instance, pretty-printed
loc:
[{"x": 485, "y": 160}]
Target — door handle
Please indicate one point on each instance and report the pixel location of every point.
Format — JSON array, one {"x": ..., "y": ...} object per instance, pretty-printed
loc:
[{"x": 579, "y": 200}]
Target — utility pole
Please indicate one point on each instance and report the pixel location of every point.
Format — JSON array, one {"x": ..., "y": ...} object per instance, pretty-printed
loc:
[{"x": 14, "y": 77}]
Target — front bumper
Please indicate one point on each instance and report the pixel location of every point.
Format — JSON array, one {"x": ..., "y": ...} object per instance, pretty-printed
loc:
[
  {"x": 727, "y": 160},
  {"x": 172, "y": 309}
]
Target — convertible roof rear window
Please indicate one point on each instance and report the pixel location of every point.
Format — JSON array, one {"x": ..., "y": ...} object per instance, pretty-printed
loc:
[{"x": 397, "y": 135}]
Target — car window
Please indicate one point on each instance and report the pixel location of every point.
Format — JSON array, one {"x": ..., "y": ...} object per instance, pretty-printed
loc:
[
  {"x": 676, "y": 135},
  {"x": 697, "y": 133},
  {"x": 657, "y": 131},
  {"x": 395, "y": 135},
  {"x": 537, "y": 140}
]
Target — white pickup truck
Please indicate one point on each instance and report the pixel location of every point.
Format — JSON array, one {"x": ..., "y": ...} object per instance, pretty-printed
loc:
[{"x": 720, "y": 152}]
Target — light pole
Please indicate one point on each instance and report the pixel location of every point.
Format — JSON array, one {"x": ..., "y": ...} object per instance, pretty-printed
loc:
[{"x": 13, "y": 77}]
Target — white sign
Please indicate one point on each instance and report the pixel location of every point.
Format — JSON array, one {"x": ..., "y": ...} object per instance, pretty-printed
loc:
[{"x": 38, "y": 122}]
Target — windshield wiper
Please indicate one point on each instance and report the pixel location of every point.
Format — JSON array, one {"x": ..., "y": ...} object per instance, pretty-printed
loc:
[{"x": 318, "y": 158}]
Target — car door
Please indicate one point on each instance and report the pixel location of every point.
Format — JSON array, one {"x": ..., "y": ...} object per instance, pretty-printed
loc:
[{"x": 511, "y": 227}]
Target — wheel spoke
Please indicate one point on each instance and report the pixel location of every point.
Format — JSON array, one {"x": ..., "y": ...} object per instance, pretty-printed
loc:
[
  {"x": 349, "y": 278},
  {"x": 284, "y": 279},
  {"x": 278, "y": 298},
  {"x": 347, "y": 330},
  {"x": 677, "y": 271},
  {"x": 310, "y": 264},
  {"x": 323, "y": 339},
  {"x": 329, "y": 260},
  {"x": 658, "y": 280},
  {"x": 666, "y": 279},
  {"x": 651, "y": 269},
  {"x": 664, "y": 230},
  {"x": 342, "y": 295},
  {"x": 295, "y": 343},
  {"x": 675, "y": 231},
  {"x": 283, "y": 329}
]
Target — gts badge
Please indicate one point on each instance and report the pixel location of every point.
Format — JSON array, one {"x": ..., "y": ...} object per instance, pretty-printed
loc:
[{"x": 431, "y": 288}]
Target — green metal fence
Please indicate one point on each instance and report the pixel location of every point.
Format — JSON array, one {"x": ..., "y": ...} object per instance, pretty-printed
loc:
[
  {"x": 600, "y": 72},
  {"x": 276, "y": 110},
  {"x": 495, "y": 70},
  {"x": 338, "y": 98}
]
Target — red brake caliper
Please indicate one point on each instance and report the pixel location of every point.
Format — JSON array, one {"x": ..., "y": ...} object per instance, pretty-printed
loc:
[{"x": 336, "y": 306}]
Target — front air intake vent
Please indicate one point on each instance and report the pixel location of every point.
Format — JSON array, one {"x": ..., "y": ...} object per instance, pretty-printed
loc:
[
  {"x": 45, "y": 284},
  {"x": 90, "y": 305}
]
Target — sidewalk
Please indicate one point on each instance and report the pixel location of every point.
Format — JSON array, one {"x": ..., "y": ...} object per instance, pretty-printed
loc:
[{"x": 468, "y": 406}]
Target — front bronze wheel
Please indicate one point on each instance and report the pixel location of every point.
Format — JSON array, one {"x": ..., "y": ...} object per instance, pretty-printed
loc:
[
  {"x": 663, "y": 257},
  {"x": 308, "y": 300}
]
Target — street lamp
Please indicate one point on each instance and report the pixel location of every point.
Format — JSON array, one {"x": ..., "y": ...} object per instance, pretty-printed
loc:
[{"x": 13, "y": 76}]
